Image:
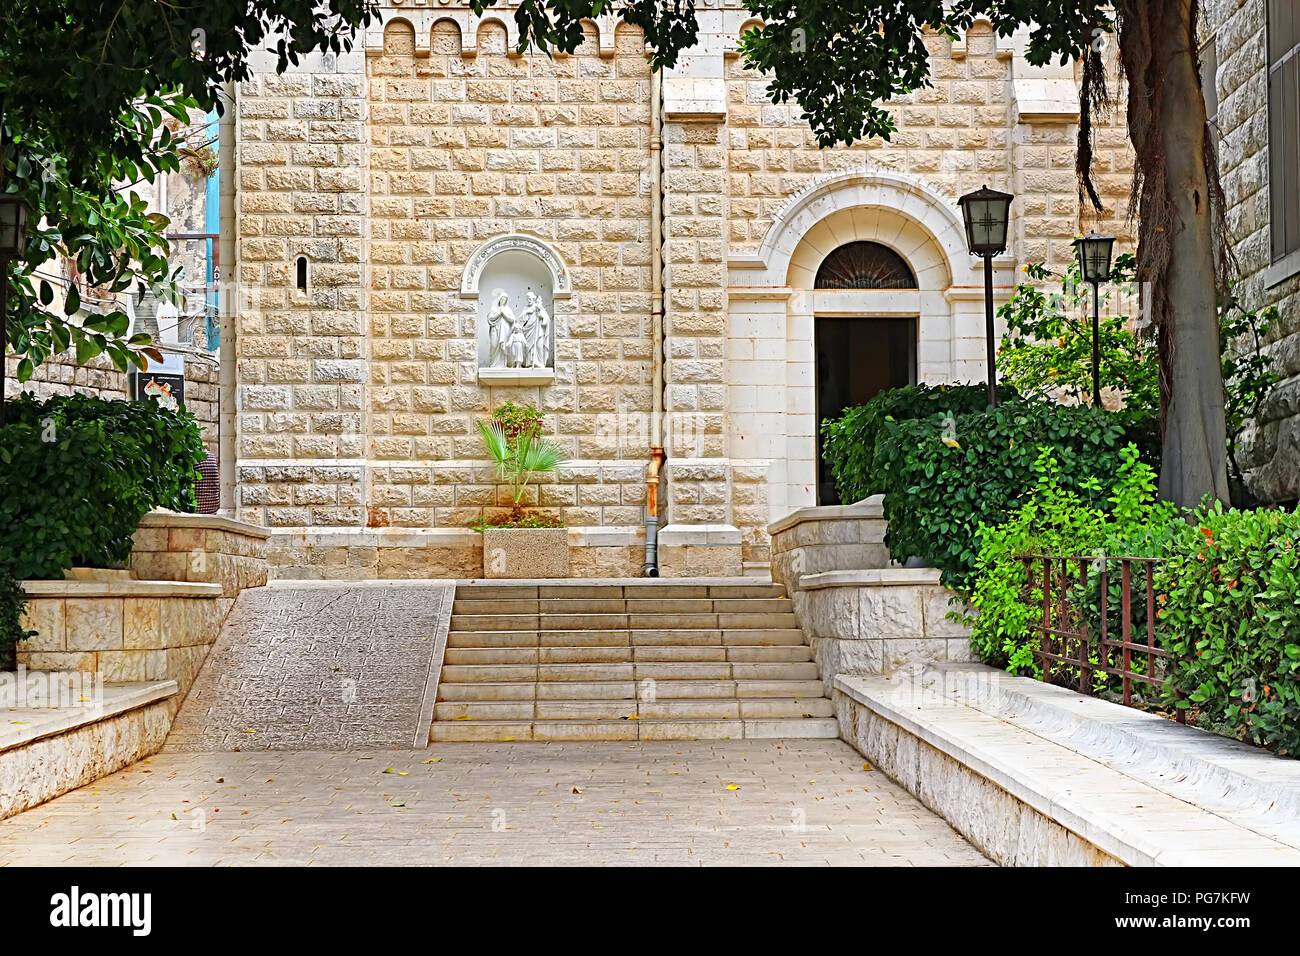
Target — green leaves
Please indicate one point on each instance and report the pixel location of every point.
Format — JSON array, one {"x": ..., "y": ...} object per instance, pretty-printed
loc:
[
  {"x": 946, "y": 475},
  {"x": 1231, "y": 618},
  {"x": 512, "y": 441},
  {"x": 78, "y": 473}
]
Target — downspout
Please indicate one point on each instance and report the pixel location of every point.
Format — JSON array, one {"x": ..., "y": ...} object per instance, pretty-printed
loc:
[
  {"x": 656, "y": 327},
  {"x": 227, "y": 303}
]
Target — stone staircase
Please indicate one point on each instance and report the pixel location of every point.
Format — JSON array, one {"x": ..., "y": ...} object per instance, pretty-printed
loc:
[{"x": 644, "y": 660}]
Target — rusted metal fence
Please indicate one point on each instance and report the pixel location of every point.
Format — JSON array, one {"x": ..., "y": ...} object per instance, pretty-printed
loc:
[{"x": 1096, "y": 619}]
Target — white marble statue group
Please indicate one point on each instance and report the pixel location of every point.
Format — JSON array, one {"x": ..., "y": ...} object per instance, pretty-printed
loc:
[{"x": 518, "y": 342}]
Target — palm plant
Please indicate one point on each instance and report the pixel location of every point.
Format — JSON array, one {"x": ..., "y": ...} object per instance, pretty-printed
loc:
[{"x": 517, "y": 461}]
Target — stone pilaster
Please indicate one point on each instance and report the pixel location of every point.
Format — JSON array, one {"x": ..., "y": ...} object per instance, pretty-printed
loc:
[{"x": 301, "y": 162}]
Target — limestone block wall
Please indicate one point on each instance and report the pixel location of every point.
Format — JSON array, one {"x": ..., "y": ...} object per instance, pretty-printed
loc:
[
  {"x": 389, "y": 168},
  {"x": 1238, "y": 31},
  {"x": 301, "y": 368},
  {"x": 988, "y": 118}
]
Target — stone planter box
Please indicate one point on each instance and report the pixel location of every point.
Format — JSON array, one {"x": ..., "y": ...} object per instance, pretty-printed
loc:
[{"x": 526, "y": 552}]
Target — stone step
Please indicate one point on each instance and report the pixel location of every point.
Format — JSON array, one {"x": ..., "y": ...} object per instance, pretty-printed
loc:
[
  {"x": 613, "y": 654},
  {"x": 770, "y": 636},
  {"x": 468, "y": 673},
  {"x": 627, "y": 661},
  {"x": 649, "y": 729},
  {"x": 546, "y": 606},
  {"x": 632, "y": 589},
  {"x": 714, "y": 708},
  {"x": 627, "y": 690},
  {"x": 602, "y": 622}
]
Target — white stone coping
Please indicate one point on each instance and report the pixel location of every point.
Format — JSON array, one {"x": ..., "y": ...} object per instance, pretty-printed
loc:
[
  {"x": 674, "y": 535},
  {"x": 379, "y": 538},
  {"x": 119, "y": 589},
  {"x": 24, "y": 725},
  {"x": 586, "y": 536},
  {"x": 162, "y": 518},
  {"x": 872, "y": 507},
  {"x": 598, "y": 537},
  {"x": 1253, "y": 787},
  {"x": 739, "y": 581},
  {"x": 869, "y": 578},
  {"x": 1131, "y": 819}
]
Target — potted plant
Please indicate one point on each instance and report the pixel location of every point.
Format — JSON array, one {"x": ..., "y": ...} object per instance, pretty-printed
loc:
[{"x": 521, "y": 543}]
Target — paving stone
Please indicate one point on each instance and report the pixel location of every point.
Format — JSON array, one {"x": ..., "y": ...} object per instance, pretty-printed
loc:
[{"x": 799, "y": 802}]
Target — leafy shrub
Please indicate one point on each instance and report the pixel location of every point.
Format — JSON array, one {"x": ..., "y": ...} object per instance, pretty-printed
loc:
[
  {"x": 1047, "y": 350},
  {"x": 79, "y": 472},
  {"x": 946, "y": 475},
  {"x": 849, "y": 442},
  {"x": 1122, "y": 519},
  {"x": 513, "y": 439},
  {"x": 1047, "y": 353},
  {"x": 518, "y": 420},
  {"x": 1232, "y": 620}
]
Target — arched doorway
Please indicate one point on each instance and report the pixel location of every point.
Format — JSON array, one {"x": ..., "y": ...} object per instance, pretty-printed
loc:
[{"x": 859, "y": 355}]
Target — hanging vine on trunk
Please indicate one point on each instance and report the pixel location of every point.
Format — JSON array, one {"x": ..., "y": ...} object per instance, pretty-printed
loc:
[{"x": 1137, "y": 24}]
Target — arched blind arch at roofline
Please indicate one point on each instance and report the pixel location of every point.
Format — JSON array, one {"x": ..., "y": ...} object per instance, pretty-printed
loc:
[{"x": 864, "y": 265}]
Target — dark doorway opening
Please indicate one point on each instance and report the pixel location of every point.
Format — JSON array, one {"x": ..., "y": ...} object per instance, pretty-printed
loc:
[{"x": 857, "y": 357}]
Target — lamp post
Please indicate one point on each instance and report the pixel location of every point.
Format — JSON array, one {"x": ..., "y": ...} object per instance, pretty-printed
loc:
[
  {"x": 1094, "y": 251},
  {"x": 986, "y": 213},
  {"x": 13, "y": 241}
]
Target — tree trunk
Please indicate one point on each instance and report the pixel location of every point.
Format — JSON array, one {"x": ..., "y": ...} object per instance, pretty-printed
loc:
[{"x": 1176, "y": 254}]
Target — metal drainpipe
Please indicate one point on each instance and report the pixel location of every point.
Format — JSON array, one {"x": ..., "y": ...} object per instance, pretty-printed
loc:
[
  {"x": 657, "y": 455},
  {"x": 228, "y": 303}
]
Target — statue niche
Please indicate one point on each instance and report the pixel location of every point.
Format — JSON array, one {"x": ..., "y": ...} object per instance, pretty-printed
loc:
[{"x": 516, "y": 280}]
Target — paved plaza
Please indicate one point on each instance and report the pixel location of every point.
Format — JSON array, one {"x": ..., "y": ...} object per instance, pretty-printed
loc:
[{"x": 802, "y": 802}]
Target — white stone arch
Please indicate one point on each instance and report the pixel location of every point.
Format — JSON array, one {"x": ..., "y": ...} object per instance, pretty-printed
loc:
[
  {"x": 773, "y": 307},
  {"x": 561, "y": 285},
  {"x": 896, "y": 198}
]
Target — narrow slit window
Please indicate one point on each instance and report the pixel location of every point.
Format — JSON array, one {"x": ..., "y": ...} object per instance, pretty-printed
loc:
[{"x": 301, "y": 280}]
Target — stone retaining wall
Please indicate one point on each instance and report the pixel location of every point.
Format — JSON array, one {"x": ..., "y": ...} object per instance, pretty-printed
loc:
[
  {"x": 123, "y": 630},
  {"x": 861, "y": 613},
  {"x": 829, "y": 538},
  {"x": 877, "y": 621},
  {"x": 169, "y": 546},
  {"x": 83, "y": 744}
]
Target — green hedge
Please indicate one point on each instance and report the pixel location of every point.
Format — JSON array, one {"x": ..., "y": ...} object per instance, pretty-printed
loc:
[
  {"x": 946, "y": 475},
  {"x": 1232, "y": 620},
  {"x": 79, "y": 472},
  {"x": 849, "y": 442}
]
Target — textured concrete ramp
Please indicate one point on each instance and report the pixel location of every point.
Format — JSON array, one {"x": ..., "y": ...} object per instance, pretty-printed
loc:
[{"x": 336, "y": 667}]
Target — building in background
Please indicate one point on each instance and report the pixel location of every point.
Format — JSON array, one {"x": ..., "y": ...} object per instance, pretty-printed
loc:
[
  {"x": 392, "y": 202},
  {"x": 1251, "y": 67}
]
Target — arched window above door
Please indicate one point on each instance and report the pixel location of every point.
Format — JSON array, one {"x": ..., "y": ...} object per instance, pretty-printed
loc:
[{"x": 865, "y": 265}]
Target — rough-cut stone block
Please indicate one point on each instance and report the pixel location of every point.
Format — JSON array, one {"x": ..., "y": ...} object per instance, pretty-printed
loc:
[
  {"x": 526, "y": 553},
  {"x": 891, "y": 612}
]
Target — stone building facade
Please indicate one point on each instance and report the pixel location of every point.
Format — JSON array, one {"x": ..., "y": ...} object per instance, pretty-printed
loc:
[
  {"x": 680, "y": 216},
  {"x": 1249, "y": 49}
]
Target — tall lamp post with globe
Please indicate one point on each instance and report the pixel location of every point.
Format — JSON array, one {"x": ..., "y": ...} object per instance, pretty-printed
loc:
[
  {"x": 1094, "y": 251},
  {"x": 986, "y": 213}
]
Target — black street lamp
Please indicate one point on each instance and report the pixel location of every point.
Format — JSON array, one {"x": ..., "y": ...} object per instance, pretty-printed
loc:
[
  {"x": 986, "y": 213},
  {"x": 13, "y": 243},
  {"x": 1094, "y": 251}
]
